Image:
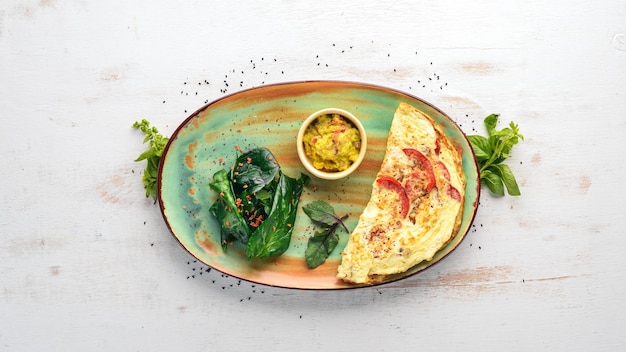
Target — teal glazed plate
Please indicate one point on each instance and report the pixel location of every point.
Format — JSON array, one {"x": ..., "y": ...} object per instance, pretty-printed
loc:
[{"x": 270, "y": 116}]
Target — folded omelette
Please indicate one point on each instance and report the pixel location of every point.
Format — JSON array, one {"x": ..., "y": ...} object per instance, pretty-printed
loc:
[{"x": 416, "y": 203}]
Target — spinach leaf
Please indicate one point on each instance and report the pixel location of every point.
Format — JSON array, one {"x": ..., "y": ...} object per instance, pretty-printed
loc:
[
  {"x": 273, "y": 235},
  {"x": 257, "y": 204},
  {"x": 254, "y": 170},
  {"x": 233, "y": 225}
]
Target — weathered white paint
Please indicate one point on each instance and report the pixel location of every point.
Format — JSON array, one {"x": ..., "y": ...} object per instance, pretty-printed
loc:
[{"x": 86, "y": 262}]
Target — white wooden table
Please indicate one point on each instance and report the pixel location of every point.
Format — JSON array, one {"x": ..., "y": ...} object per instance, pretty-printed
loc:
[{"x": 87, "y": 263}]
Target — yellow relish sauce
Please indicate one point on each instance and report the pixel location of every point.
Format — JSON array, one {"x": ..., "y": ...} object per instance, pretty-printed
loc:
[{"x": 332, "y": 143}]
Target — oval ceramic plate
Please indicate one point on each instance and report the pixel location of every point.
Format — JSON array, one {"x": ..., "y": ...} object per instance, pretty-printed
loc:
[{"x": 270, "y": 116}]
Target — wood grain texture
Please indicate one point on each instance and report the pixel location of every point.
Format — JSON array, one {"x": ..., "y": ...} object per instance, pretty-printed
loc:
[{"x": 86, "y": 262}]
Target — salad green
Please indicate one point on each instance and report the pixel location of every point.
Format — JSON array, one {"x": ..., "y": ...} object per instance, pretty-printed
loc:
[
  {"x": 257, "y": 204},
  {"x": 323, "y": 242}
]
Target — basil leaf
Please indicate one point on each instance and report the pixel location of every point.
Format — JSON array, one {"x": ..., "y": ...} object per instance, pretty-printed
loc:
[
  {"x": 492, "y": 151},
  {"x": 273, "y": 235},
  {"x": 506, "y": 175},
  {"x": 254, "y": 170},
  {"x": 232, "y": 224},
  {"x": 490, "y": 123},
  {"x": 481, "y": 147},
  {"x": 492, "y": 181}
]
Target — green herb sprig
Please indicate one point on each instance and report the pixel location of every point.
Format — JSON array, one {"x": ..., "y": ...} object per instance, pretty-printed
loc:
[
  {"x": 492, "y": 151},
  {"x": 324, "y": 241},
  {"x": 152, "y": 156}
]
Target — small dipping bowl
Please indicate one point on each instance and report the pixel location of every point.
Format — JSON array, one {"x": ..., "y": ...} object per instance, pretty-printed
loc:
[{"x": 306, "y": 160}]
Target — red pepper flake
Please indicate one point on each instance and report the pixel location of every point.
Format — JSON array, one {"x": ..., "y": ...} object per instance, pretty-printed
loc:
[
  {"x": 257, "y": 221},
  {"x": 314, "y": 188},
  {"x": 237, "y": 147},
  {"x": 221, "y": 194},
  {"x": 249, "y": 160},
  {"x": 221, "y": 160}
]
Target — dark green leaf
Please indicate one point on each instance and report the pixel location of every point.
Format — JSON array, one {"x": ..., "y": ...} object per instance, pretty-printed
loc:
[
  {"x": 254, "y": 170},
  {"x": 321, "y": 213},
  {"x": 507, "y": 177},
  {"x": 232, "y": 223},
  {"x": 320, "y": 246},
  {"x": 493, "y": 182},
  {"x": 272, "y": 237},
  {"x": 322, "y": 243}
]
